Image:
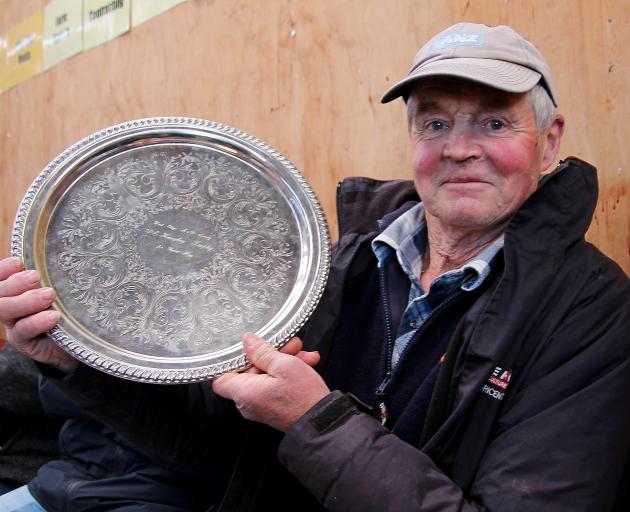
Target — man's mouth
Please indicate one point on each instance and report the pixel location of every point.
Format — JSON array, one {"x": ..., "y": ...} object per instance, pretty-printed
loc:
[{"x": 465, "y": 180}]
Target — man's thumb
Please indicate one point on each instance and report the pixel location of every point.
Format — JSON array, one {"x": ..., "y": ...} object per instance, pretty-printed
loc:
[{"x": 260, "y": 353}]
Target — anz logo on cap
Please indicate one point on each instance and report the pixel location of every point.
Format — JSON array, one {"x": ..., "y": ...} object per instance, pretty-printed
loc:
[{"x": 455, "y": 39}]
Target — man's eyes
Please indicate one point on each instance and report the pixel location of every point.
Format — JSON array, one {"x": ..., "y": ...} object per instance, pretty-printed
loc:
[
  {"x": 436, "y": 125},
  {"x": 495, "y": 124}
]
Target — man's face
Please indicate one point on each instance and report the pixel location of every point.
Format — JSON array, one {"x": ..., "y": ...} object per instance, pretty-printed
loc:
[{"x": 476, "y": 153}]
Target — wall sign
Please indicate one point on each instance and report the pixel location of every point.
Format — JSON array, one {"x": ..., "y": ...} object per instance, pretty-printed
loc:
[
  {"x": 104, "y": 20},
  {"x": 24, "y": 56},
  {"x": 67, "y": 27},
  {"x": 63, "y": 29}
]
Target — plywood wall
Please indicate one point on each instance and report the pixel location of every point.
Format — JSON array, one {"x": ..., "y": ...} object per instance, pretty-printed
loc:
[{"x": 306, "y": 76}]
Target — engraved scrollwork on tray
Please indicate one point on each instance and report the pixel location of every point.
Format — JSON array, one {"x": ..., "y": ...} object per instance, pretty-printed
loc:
[{"x": 145, "y": 238}]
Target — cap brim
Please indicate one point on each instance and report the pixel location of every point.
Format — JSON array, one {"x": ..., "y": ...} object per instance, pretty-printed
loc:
[{"x": 498, "y": 74}]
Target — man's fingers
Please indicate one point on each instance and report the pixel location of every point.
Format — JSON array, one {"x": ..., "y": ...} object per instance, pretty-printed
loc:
[
  {"x": 33, "y": 326},
  {"x": 261, "y": 354},
  {"x": 265, "y": 358},
  {"x": 28, "y": 303},
  {"x": 9, "y": 266},
  {"x": 279, "y": 396},
  {"x": 310, "y": 358},
  {"x": 292, "y": 347},
  {"x": 229, "y": 384},
  {"x": 223, "y": 385},
  {"x": 258, "y": 351},
  {"x": 19, "y": 282}
]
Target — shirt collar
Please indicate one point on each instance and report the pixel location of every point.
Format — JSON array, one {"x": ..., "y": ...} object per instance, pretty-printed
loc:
[{"x": 406, "y": 238}]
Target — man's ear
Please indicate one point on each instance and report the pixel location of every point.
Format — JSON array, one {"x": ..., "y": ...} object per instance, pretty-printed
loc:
[{"x": 551, "y": 139}]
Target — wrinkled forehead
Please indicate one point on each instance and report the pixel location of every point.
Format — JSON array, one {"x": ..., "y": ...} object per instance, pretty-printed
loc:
[{"x": 435, "y": 91}]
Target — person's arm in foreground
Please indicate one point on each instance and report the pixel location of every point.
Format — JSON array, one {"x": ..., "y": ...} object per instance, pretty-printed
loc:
[
  {"x": 287, "y": 394},
  {"x": 561, "y": 446}
]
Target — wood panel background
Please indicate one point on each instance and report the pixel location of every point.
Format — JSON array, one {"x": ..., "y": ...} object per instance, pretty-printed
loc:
[{"x": 306, "y": 77}]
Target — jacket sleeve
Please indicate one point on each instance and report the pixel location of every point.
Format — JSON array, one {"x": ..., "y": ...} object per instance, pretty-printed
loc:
[
  {"x": 185, "y": 423},
  {"x": 350, "y": 462},
  {"x": 559, "y": 444}
]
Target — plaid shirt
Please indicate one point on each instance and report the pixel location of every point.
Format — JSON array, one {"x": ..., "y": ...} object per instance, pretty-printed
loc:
[{"x": 406, "y": 239}]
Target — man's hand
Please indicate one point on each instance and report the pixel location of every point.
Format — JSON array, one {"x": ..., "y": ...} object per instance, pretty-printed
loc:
[
  {"x": 26, "y": 317},
  {"x": 279, "y": 388}
]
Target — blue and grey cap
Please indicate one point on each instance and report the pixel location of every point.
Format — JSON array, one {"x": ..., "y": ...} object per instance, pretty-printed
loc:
[{"x": 495, "y": 56}]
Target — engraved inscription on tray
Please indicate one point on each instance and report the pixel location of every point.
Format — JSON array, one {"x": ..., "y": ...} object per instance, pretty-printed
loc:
[{"x": 172, "y": 251}]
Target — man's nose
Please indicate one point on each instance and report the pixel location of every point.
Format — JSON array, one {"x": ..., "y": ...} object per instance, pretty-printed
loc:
[{"x": 462, "y": 143}]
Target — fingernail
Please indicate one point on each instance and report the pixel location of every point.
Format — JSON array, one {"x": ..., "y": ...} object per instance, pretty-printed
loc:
[
  {"x": 53, "y": 316},
  {"x": 17, "y": 262},
  {"x": 47, "y": 293},
  {"x": 249, "y": 339},
  {"x": 32, "y": 275}
]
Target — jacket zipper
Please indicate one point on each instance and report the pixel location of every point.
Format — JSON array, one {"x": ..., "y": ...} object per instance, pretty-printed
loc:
[
  {"x": 380, "y": 394},
  {"x": 381, "y": 398}
]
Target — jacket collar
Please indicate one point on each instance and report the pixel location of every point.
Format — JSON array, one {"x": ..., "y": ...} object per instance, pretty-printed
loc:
[{"x": 361, "y": 202}]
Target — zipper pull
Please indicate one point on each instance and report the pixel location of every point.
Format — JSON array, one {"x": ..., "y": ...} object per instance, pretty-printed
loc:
[
  {"x": 380, "y": 394},
  {"x": 383, "y": 414}
]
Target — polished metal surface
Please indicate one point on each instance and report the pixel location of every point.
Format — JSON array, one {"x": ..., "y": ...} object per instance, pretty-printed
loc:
[{"x": 168, "y": 238}]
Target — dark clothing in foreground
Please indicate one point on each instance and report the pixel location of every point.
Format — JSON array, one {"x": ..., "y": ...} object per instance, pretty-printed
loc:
[
  {"x": 99, "y": 471},
  {"x": 528, "y": 410},
  {"x": 28, "y": 437}
]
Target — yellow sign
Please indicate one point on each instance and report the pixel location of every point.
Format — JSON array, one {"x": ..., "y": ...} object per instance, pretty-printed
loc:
[
  {"x": 104, "y": 20},
  {"x": 24, "y": 50},
  {"x": 63, "y": 28},
  {"x": 3, "y": 63},
  {"x": 143, "y": 10}
]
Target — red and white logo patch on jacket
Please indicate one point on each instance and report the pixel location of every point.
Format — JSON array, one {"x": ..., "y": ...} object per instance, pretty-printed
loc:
[{"x": 497, "y": 383}]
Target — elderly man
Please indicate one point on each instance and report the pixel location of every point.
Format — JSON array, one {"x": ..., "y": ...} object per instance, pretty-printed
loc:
[{"x": 474, "y": 348}]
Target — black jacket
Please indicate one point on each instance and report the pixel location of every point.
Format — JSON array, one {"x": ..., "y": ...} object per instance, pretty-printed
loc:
[
  {"x": 550, "y": 434},
  {"x": 98, "y": 470},
  {"x": 530, "y": 412},
  {"x": 28, "y": 437}
]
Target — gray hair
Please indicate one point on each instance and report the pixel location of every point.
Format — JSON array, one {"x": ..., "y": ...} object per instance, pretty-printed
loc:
[{"x": 544, "y": 109}]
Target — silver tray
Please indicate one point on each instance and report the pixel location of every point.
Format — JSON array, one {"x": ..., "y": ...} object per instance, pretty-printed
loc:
[{"x": 168, "y": 238}]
